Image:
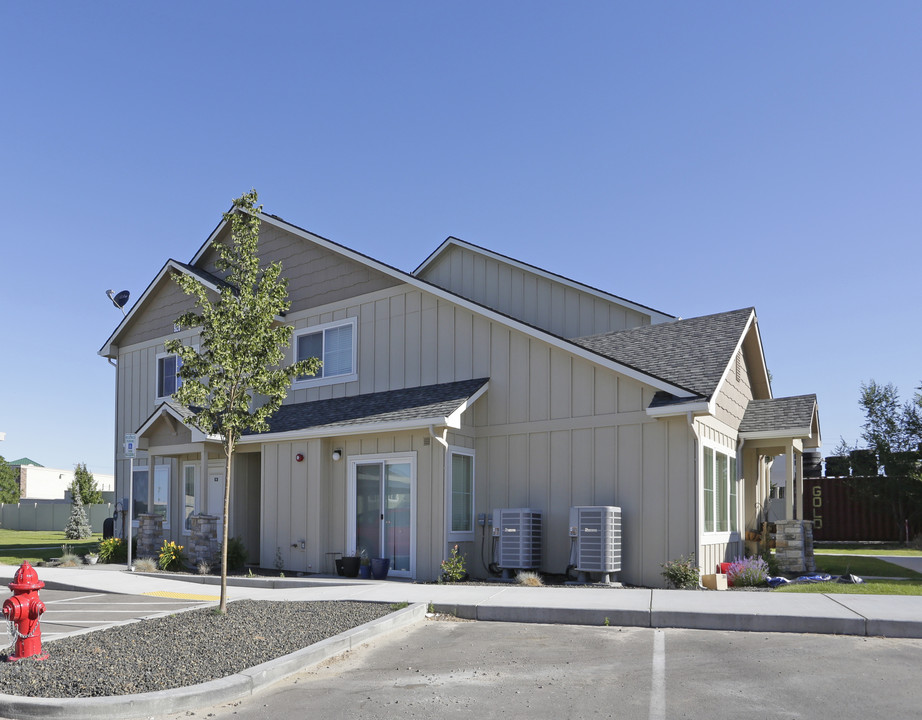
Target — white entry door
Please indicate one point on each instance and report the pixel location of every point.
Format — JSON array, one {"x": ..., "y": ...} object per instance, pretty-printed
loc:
[{"x": 215, "y": 489}]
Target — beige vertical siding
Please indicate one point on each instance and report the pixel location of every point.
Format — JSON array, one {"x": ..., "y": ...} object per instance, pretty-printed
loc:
[
  {"x": 165, "y": 304},
  {"x": 549, "y": 304}
]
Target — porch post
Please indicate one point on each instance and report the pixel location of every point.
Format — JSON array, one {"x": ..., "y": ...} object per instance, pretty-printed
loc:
[
  {"x": 789, "y": 502},
  {"x": 202, "y": 488},
  {"x": 800, "y": 484}
]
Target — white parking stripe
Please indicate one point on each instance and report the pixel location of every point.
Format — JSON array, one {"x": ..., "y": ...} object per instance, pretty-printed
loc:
[{"x": 658, "y": 679}]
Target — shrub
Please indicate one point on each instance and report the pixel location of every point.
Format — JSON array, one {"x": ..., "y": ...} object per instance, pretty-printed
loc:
[
  {"x": 681, "y": 574},
  {"x": 203, "y": 567},
  {"x": 771, "y": 561},
  {"x": 68, "y": 557},
  {"x": 115, "y": 550},
  {"x": 454, "y": 567},
  {"x": 529, "y": 579},
  {"x": 171, "y": 556},
  {"x": 78, "y": 524},
  {"x": 145, "y": 565},
  {"x": 236, "y": 554},
  {"x": 748, "y": 572}
]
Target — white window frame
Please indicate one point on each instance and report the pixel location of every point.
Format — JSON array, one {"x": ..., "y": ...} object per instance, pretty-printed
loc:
[
  {"x": 161, "y": 470},
  {"x": 327, "y": 379},
  {"x": 732, "y": 499},
  {"x": 451, "y": 534},
  {"x": 160, "y": 357},
  {"x": 196, "y": 493}
]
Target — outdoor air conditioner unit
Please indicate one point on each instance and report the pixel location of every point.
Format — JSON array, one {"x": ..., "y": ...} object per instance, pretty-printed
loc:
[
  {"x": 595, "y": 531},
  {"x": 518, "y": 539}
]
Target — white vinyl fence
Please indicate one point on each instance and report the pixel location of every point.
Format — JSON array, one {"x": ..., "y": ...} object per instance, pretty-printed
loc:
[{"x": 49, "y": 515}]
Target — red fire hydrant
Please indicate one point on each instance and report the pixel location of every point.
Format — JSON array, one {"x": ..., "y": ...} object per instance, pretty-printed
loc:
[{"x": 23, "y": 612}]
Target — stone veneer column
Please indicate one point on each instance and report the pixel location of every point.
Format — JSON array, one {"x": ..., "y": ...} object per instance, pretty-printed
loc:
[
  {"x": 204, "y": 544},
  {"x": 150, "y": 535},
  {"x": 794, "y": 546}
]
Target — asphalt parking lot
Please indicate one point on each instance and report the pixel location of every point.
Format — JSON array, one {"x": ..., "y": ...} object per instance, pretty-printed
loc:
[{"x": 69, "y": 612}]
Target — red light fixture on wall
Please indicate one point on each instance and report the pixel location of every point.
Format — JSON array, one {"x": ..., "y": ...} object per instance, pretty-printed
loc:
[{"x": 299, "y": 457}]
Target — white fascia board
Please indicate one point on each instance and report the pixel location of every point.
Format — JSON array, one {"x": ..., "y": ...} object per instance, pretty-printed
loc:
[
  {"x": 698, "y": 408},
  {"x": 656, "y": 316},
  {"x": 454, "y": 420},
  {"x": 358, "y": 429},
  {"x": 196, "y": 434},
  {"x": 473, "y": 307},
  {"x": 108, "y": 349}
]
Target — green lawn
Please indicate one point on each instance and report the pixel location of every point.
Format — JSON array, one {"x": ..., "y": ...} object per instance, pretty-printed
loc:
[
  {"x": 35, "y": 546},
  {"x": 864, "y": 549},
  {"x": 869, "y": 587},
  {"x": 862, "y": 565}
]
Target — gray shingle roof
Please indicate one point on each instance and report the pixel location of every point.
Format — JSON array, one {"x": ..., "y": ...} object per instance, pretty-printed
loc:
[
  {"x": 779, "y": 414},
  {"x": 421, "y": 403},
  {"x": 691, "y": 354}
]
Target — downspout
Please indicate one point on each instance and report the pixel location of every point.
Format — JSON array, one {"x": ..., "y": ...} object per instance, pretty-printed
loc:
[{"x": 696, "y": 442}]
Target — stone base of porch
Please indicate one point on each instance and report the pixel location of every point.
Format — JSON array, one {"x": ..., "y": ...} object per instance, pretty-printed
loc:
[{"x": 794, "y": 546}]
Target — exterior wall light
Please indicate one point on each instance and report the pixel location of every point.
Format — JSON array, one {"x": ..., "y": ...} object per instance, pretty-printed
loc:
[{"x": 337, "y": 454}]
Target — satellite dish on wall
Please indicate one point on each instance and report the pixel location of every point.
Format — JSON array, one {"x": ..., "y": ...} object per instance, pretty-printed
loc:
[{"x": 119, "y": 299}]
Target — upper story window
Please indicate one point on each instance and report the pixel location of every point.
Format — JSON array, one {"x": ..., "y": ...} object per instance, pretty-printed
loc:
[
  {"x": 721, "y": 512},
  {"x": 333, "y": 344},
  {"x": 168, "y": 380}
]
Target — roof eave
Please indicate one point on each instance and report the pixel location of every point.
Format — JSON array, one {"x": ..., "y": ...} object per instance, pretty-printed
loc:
[{"x": 356, "y": 429}]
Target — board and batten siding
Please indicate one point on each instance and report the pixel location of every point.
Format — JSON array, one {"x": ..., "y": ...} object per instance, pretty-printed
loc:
[
  {"x": 316, "y": 276},
  {"x": 549, "y": 304}
]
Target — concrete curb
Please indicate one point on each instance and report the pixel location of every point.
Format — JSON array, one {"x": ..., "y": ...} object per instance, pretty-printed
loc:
[{"x": 195, "y": 697}]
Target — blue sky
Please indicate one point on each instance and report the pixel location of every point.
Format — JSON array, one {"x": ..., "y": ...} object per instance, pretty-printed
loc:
[{"x": 693, "y": 157}]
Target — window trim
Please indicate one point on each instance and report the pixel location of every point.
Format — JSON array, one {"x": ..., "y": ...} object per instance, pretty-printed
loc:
[
  {"x": 162, "y": 356},
  {"x": 322, "y": 328},
  {"x": 459, "y": 535},
  {"x": 732, "y": 494}
]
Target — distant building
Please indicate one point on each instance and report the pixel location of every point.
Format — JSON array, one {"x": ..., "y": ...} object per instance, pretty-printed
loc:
[{"x": 37, "y": 482}]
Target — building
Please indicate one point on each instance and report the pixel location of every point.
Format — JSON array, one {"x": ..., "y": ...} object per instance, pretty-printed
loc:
[{"x": 475, "y": 382}]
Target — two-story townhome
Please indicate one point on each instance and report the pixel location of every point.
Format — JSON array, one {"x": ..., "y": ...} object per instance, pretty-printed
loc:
[{"x": 475, "y": 382}]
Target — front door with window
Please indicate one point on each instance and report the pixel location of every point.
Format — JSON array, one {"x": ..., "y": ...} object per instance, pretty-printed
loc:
[
  {"x": 382, "y": 508},
  {"x": 216, "y": 475}
]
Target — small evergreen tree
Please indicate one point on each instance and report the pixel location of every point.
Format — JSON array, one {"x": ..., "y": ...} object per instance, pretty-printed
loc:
[
  {"x": 89, "y": 493},
  {"x": 9, "y": 483},
  {"x": 78, "y": 525}
]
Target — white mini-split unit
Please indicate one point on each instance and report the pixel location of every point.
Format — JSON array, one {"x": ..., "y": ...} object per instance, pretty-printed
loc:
[
  {"x": 595, "y": 535},
  {"x": 518, "y": 539}
]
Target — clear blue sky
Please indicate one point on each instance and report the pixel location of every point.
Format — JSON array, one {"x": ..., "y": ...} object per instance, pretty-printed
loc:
[{"x": 693, "y": 157}]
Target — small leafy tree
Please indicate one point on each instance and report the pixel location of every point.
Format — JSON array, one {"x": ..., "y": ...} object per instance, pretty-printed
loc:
[
  {"x": 235, "y": 381},
  {"x": 78, "y": 524},
  {"x": 9, "y": 483},
  {"x": 86, "y": 483}
]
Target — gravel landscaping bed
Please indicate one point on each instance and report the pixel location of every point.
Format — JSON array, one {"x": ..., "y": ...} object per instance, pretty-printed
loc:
[{"x": 182, "y": 649}]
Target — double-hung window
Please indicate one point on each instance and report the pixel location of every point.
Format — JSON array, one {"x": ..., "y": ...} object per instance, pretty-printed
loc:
[
  {"x": 168, "y": 380},
  {"x": 334, "y": 345},
  {"x": 721, "y": 512},
  {"x": 460, "y": 492}
]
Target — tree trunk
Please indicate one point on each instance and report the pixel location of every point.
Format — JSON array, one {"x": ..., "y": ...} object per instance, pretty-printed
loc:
[{"x": 229, "y": 452}]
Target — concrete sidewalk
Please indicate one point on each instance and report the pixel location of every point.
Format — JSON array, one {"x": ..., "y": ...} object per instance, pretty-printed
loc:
[
  {"x": 842, "y": 614},
  {"x": 891, "y": 616}
]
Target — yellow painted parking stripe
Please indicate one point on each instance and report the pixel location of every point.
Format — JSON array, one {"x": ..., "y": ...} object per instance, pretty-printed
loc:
[{"x": 181, "y": 596}]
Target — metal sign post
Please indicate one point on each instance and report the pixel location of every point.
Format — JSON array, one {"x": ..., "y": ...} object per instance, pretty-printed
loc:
[{"x": 131, "y": 444}]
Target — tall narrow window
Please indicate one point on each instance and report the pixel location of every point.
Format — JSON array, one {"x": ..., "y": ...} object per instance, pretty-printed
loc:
[
  {"x": 139, "y": 492},
  {"x": 734, "y": 485},
  {"x": 189, "y": 477},
  {"x": 461, "y": 494},
  {"x": 168, "y": 380},
  {"x": 162, "y": 493},
  {"x": 708, "y": 490},
  {"x": 722, "y": 490}
]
